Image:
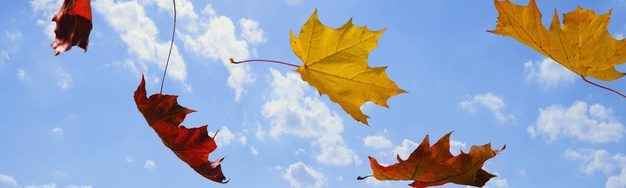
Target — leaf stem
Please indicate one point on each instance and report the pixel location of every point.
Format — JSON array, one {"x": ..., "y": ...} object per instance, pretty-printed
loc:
[
  {"x": 171, "y": 46},
  {"x": 363, "y": 177},
  {"x": 262, "y": 60},
  {"x": 603, "y": 87}
]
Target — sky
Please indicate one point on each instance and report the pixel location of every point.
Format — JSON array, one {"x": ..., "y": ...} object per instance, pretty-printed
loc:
[{"x": 70, "y": 121}]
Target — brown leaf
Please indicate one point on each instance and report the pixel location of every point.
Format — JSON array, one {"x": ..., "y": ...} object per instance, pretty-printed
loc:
[
  {"x": 435, "y": 165},
  {"x": 73, "y": 25},
  {"x": 193, "y": 145}
]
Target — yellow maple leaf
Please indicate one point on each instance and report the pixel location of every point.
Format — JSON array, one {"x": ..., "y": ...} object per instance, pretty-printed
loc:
[
  {"x": 335, "y": 62},
  {"x": 582, "y": 44}
]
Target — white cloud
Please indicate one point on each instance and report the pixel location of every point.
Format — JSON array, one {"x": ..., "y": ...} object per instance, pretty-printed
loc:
[
  {"x": 497, "y": 183},
  {"x": 184, "y": 8},
  {"x": 299, "y": 151},
  {"x": 45, "y": 9},
  {"x": 299, "y": 175},
  {"x": 373, "y": 182},
  {"x": 457, "y": 146},
  {"x": 407, "y": 147},
  {"x": 243, "y": 140},
  {"x": 130, "y": 159},
  {"x": 522, "y": 172},
  {"x": 21, "y": 74},
  {"x": 57, "y": 131},
  {"x": 292, "y": 110},
  {"x": 224, "y": 136},
  {"x": 490, "y": 102},
  {"x": 65, "y": 79},
  {"x": 250, "y": 31},
  {"x": 49, "y": 185},
  {"x": 594, "y": 123},
  {"x": 214, "y": 36},
  {"x": 260, "y": 133},
  {"x": 8, "y": 180},
  {"x": 593, "y": 160},
  {"x": 79, "y": 186},
  {"x": 150, "y": 165},
  {"x": 548, "y": 73},
  {"x": 377, "y": 142},
  {"x": 293, "y": 2},
  {"x": 254, "y": 151},
  {"x": 4, "y": 57},
  {"x": 601, "y": 161},
  {"x": 13, "y": 35},
  {"x": 141, "y": 35},
  {"x": 618, "y": 181}
]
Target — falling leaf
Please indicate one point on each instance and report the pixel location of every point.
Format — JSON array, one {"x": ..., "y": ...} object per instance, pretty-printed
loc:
[
  {"x": 73, "y": 25},
  {"x": 335, "y": 62},
  {"x": 193, "y": 145},
  {"x": 582, "y": 44},
  {"x": 435, "y": 165}
]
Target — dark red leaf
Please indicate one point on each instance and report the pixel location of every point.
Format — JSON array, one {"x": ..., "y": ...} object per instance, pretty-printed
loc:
[
  {"x": 73, "y": 25},
  {"x": 193, "y": 145}
]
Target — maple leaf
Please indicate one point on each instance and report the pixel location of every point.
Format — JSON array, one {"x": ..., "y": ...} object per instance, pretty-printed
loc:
[
  {"x": 335, "y": 62},
  {"x": 582, "y": 44},
  {"x": 73, "y": 25},
  {"x": 435, "y": 165},
  {"x": 191, "y": 145}
]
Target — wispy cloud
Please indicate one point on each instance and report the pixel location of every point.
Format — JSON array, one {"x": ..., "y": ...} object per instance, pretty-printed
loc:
[
  {"x": 141, "y": 35},
  {"x": 8, "y": 180},
  {"x": 64, "y": 79},
  {"x": 377, "y": 142},
  {"x": 150, "y": 165},
  {"x": 57, "y": 131},
  {"x": 493, "y": 103},
  {"x": 215, "y": 37},
  {"x": 299, "y": 175},
  {"x": 593, "y": 161}
]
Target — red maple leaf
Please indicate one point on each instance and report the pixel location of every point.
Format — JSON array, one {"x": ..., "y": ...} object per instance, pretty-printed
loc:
[
  {"x": 191, "y": 145},
  {"x": 73, "y": 25}
]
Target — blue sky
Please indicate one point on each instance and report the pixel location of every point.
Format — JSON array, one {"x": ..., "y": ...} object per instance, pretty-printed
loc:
[{"x": 70, "y": 121}]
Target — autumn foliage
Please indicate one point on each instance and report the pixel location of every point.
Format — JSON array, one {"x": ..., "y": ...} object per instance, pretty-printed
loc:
[
  {"x": 191, "y": 145},
  {"x": 582, "y": 43},
  {"x": 335, "y": 62},
  {"x": 435, "y": 165},
  {"x": 73, "y": 25}
]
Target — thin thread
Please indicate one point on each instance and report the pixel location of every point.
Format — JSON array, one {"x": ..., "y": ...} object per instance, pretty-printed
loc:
[{"x": 170, "y": 52}]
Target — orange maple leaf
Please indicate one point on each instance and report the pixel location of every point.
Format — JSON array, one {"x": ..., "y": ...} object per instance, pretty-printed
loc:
[{"x": 435, "y": 165}]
